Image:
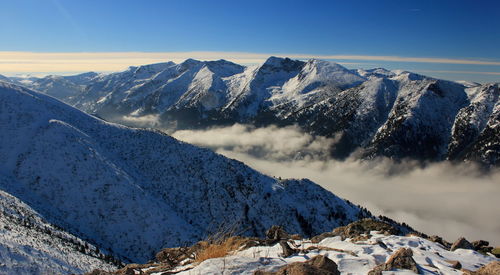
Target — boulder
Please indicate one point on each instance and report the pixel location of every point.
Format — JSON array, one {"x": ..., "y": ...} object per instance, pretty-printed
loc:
[
  {"x": 319, "y": 265},
  {"x": 276, "y": 233},
  {"x": 401, "y": 259},
  {"x": 461, "y": 243},
  {"x": 479, "y": 244},
  {"x": 302, "y": 269},
  {"x": 492, "y": 268},
  {"x": 455, "y": 264},
  {"x": 324, "y": 263},
  {"x": 365, "y": 226},
  {"x": 496, "y": 251},
  {"x": 439, "y": 240},
  {"x": 358, "y": 228},
  {"x": 287, "y": 250},
  {"x": 322, "y": 236}
]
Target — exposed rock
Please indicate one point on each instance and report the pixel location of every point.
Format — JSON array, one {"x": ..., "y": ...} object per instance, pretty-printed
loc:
[
  {"x": 455, "y": 264},
  {"x": 496, "y": 251},
  {"x": 287, "y": 250},
  {"x": 276, "y": 233},
  {"x": 319, "y": 265},
  {"x": 174, "y": 256},
  {"x": 439, "y": 240},
  {"x": 461, "y": 243},
  {"x": 356, "y": 229},
  {"x": 297, "y": 269},
  {"x": 322, "y": 236},
  {"x": 324, "y": 263},
  {"x": 479, "y": 244},
  {"x": 128, "y": 270},
  {"x": 262, "y": 272},
  {"x": 482, "y": 246},
  {"x": 362, "y": 238},
  {"x": 365, "y": 226},
  {"x": 492, "y": 268},
  {"x": 402, "y": 259}
]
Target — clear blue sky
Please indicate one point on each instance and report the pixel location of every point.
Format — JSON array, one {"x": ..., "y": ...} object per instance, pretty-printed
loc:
[{"x": 439, "y": 29}]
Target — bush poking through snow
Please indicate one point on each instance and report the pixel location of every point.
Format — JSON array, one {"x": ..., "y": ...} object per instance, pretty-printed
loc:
[{"x": 220, "y": 248}]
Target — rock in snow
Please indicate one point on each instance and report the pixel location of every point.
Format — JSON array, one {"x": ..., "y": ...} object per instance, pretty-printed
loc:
[{"x": 376, "y": 253}]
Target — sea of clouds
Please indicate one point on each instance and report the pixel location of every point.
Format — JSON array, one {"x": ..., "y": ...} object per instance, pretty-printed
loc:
[{"x": 437, "y": 199}]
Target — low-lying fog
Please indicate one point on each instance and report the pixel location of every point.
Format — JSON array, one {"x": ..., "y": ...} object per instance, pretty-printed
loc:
[{"x": 441, "y": 199}]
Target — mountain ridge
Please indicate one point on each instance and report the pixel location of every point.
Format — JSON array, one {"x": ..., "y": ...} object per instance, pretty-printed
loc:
[
  {"x": 132, "y": 191},
  {"x": 397, "y": 108}
]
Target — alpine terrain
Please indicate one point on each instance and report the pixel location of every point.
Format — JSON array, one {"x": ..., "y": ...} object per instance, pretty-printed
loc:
[
  {"x": 371, "y": 113},
  {"x": 74, "y": 189}
]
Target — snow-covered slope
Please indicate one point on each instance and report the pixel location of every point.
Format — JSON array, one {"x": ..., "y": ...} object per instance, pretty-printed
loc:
[
  {"x": 355, "y": 113},
  {"x": 375, "y": 112},
  {"x": 419, "y": 124},
  {"x": 476, "y": 124},
  {"x": 131, "y": 191},
  {"x": 30, "y": 245},
  {"x": 61, "y": 87}
]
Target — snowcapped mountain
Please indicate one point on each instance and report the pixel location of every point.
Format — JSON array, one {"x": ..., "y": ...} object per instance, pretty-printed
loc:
[
  {"x": 131, "y": 192},
  {"x": 62, "y": 87},
  {"x": 476, "y": 130},
  {"x": 381, "y": 112},
  {"x": 4, "y": 78},
  {"x": 420, "y": 122}
]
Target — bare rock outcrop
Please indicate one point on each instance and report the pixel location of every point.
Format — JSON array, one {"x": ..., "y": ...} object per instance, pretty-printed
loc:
[
  {"x": 319, "y": 265},
  {"x": 402, "y": 259}
]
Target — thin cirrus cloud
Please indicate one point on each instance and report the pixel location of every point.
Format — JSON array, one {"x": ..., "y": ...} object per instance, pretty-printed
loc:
[
  {"x": 459, "y": 72},
  {"x": 33, "y": 62}
]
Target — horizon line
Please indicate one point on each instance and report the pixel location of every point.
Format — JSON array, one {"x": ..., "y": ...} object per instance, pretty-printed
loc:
[{"x": 15, "y": 63}]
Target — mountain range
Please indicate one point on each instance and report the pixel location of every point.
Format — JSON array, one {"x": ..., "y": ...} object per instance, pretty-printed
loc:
[
  {"x": 79, "y": 192},
  {"x": 129, "y": 192},
  {"x": 371, "y": 113}
]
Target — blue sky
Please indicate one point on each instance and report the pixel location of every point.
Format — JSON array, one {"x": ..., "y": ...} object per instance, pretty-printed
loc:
[{"x": 460, "y": 30}]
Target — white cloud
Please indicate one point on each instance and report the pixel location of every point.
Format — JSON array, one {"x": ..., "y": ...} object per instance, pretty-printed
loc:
[
  {"x": 459, "y": 72},
  {"x": 139, "y": 121},
  {"x": 440, "y": 199}
]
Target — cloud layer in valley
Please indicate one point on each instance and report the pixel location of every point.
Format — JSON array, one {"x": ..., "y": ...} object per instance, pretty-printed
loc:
[{"x": 442, "y": 199}]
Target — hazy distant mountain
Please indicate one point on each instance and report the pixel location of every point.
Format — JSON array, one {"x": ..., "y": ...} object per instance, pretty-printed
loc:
[
  {"x": 4, "y": 78},
  {"x": 131, "y": 192},
  {"x": 395, "y": 114},
  {"x": 61, "y": 87}
]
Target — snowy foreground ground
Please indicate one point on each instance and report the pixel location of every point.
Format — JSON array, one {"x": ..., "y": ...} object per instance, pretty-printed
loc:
[{"x": 351, "y": 257}]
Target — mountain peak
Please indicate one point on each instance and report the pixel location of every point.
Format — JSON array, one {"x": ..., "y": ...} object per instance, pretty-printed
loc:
[
  {"x": 331, "y": 65},
  {"x": 224, "y": 68},
  {"x": 278, "y": 63}
]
